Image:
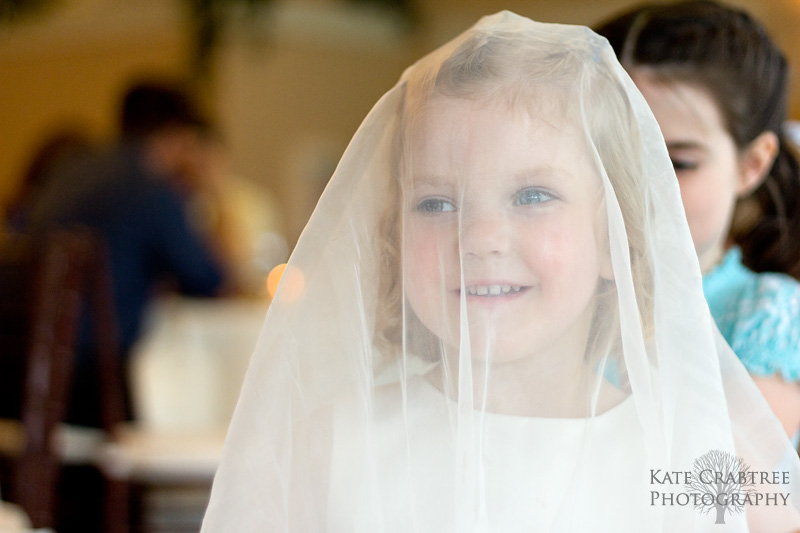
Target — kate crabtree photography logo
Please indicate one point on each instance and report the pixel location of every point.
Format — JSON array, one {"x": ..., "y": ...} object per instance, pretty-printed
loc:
[{"x": 721, "y": 482}]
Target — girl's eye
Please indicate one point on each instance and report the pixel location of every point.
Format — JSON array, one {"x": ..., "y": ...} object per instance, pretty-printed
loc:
[
  {"x": 435, "y": 205},
  {"x": 533, "y": 196},
  {"x": 682, "y": 165}
]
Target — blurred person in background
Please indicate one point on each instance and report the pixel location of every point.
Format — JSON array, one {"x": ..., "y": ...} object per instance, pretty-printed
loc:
[
  {"x": 244, "y": 214},
  {"x": 717, "y": 85},
  {"x": 130, "y": 194}
]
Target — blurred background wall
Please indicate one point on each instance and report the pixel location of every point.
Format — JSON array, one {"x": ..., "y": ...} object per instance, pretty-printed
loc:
[{"x": 287, "y": 80}]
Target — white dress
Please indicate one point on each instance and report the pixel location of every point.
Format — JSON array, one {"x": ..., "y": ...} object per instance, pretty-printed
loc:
[{"x": 529, "y": 467}]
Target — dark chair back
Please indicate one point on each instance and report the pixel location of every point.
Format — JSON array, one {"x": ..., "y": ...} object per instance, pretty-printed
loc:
[{"x": 44, "y": 285}]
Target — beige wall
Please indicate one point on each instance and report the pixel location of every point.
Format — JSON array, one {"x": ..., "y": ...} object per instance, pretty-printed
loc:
[
  {"x": 288, "y": 96},
  {"x": 68, "y": 67}
]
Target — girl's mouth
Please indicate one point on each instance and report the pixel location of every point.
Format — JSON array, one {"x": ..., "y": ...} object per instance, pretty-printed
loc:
[{"x": 489, "y": 291}]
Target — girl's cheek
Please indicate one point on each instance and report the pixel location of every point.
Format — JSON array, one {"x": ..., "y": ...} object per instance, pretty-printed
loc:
[
  {"x": 558, "y": 247},
  {"x": 424, "y": 249},
  {"x": 545, "y": 240}
]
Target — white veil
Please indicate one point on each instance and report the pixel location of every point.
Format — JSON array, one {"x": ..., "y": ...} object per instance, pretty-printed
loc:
[{"x": 494, "y": 321}]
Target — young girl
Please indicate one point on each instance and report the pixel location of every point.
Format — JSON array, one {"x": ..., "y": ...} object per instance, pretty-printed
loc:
[
  {"x": 718, "y": 87},
  {"x": 502, "y": 233}
]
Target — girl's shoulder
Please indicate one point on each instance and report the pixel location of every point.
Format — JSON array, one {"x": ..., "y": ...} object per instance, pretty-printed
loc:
[{"x": 762, "y": 324}]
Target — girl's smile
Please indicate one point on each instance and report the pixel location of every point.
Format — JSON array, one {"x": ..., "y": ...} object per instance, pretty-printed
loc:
[
  {"x": 491, "y": 294},
  {"x": 492, "y": 289}
]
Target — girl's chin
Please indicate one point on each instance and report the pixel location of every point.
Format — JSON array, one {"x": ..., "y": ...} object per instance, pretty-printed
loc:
[{"x": 492, "y": 352}]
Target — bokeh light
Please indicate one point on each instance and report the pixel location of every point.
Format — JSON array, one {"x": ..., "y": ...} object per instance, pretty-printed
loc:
[{"x": 291, "y": 280}]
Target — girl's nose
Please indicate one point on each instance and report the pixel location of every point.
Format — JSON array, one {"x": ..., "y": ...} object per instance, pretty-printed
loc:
[{"x": 484, "y": 234}]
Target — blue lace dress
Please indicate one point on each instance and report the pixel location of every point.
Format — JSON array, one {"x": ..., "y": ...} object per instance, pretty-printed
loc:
[{"x": 758, "y": 314}]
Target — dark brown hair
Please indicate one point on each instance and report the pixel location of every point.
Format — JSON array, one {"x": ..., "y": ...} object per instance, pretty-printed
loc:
[
  {"x": 149, "y": 106},
  {"x": 729, "y": 54}
]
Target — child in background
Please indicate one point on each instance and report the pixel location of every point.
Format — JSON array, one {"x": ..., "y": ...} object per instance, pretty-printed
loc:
[
  {"x": 503, "y": 227},
  {"x": 718, "y": 87}
]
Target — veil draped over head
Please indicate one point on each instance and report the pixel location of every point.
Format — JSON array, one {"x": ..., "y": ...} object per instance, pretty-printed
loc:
[{"x": 494, "y": 321}]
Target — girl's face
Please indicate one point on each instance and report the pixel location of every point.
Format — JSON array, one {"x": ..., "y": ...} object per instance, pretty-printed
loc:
[
  {"x": 501, "y": 213},
  {"x": 705, "y": 158}
]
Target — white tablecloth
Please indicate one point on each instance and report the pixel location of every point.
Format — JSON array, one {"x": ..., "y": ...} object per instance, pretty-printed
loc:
[
  {"x": 189, "y": 366},
  {"x": 186, "y": 373}
]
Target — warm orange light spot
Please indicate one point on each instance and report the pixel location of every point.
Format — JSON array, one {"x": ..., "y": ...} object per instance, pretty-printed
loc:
[
  {"x": 292, "y": 285},
  {"x": 274, "y": 278}
]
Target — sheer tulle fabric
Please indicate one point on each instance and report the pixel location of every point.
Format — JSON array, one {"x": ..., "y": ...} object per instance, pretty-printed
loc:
[{"x": 494, "y": 319}]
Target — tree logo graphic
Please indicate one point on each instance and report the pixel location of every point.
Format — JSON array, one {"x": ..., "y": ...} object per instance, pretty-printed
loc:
[{"x": 722, "y": 482}]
